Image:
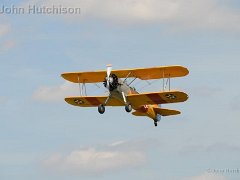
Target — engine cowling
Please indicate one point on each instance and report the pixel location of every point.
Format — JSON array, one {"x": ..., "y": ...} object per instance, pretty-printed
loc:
[{"x": 113, "y": 82}]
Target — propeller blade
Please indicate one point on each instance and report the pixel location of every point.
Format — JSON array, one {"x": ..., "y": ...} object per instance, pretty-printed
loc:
[
  {"x": 109, "y": 69},
  {"x": 108, "y": 85}
]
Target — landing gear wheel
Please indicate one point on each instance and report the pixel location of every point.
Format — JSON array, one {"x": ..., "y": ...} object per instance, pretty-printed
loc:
[
  {"x": 155, "y": 123},
  {"x": 128, "y": 108},
  {"x": 101, "y": 108}
]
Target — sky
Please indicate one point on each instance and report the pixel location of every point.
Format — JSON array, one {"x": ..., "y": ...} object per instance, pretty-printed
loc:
[{"x": 42, "y": 137}]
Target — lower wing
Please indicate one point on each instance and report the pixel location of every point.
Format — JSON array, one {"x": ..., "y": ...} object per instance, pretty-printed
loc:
[
  {"x": 92, "y": 101},
  {"x": 157, "y": 98}
]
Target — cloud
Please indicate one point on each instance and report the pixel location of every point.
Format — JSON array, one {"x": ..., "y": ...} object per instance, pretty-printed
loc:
[
  {"x": 93, "y": 161},
  {"x": 3, "y": 100},
  {"x": 98, "y": 160},
  {"x": 4, "y": 29},
  {"x": 54, "y": 93},
  {"x": 206, "y": 176},
  {"x": 5, "y": 45},
  {"x": 218, "y": 147},
  {"x": 183, "y": 14},
  {"x": 59, "y": 92}
]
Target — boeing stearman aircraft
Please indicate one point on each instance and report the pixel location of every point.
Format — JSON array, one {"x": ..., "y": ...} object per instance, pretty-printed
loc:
[{"x": 122, "y": 94}]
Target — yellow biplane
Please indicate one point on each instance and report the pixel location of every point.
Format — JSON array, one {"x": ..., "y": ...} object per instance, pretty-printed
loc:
[{"x": 122, "y": 94}]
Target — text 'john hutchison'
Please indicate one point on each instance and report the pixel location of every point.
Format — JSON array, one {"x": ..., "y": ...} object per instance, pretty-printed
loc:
[{"x": 33, "y": 9}]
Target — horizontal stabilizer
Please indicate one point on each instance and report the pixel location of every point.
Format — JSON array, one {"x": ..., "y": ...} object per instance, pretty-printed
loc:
[
  {"x": 166, "y": 112},
  {"x": 136, "y": 113}
]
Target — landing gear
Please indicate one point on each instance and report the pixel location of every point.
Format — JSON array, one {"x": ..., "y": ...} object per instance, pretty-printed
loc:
[
  {"x": 128, "y": 108},
  {"x": 155, "y": 123},
  {"x": 101, "y": 108}
]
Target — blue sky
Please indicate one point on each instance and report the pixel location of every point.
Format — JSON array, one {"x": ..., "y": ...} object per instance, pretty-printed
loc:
[{"x": 42, "y": 137}]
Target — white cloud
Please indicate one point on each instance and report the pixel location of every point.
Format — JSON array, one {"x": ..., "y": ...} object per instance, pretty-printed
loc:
[
  {"x": 55, "y": 93},
  {"x": 5, "y": 45},
  {"x": 59, "y": 92},
  {"x": 4, "y": 29},
  {"x": 206, "y": 176},
  {"x": 92, "y": 160},
  {"x": 3, "y": 100},
  {"x": 213, "y": 14}
]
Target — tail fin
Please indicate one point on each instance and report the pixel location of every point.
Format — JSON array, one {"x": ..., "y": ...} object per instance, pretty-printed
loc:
[{"x": 166, "y": 112}]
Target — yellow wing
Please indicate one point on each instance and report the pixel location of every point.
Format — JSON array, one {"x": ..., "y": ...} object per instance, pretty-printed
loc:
[
  {"x": 141, "y": 73},
  {"x": 92, "y": 101},
  {"x": 157, "y": 98}
]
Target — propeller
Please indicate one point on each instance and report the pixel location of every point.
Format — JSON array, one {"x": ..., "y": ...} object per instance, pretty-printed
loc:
[{"x": 109, "y": 69}]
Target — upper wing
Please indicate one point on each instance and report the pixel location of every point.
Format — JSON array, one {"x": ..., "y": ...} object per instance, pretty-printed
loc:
[
  {"x": 157, "y": 98},
  {"x": 92, "y": 101},
  {"x": 141, "y": 73},
  {"x": 160, "y": 72}
]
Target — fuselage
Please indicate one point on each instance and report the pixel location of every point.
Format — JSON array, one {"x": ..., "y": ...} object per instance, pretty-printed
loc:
[{"x": 145, "y": 110}]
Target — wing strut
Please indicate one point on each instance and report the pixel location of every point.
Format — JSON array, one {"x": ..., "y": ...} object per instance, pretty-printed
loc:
[
  {"x": 82, "y": 87},
  {"x": 167, "y": 82},
  {"x": 132, "y": 81},
  {"x": 163, "y": 79},
  {"x": 79, "y": 84},
  {"x": 127, "y": 76}
]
